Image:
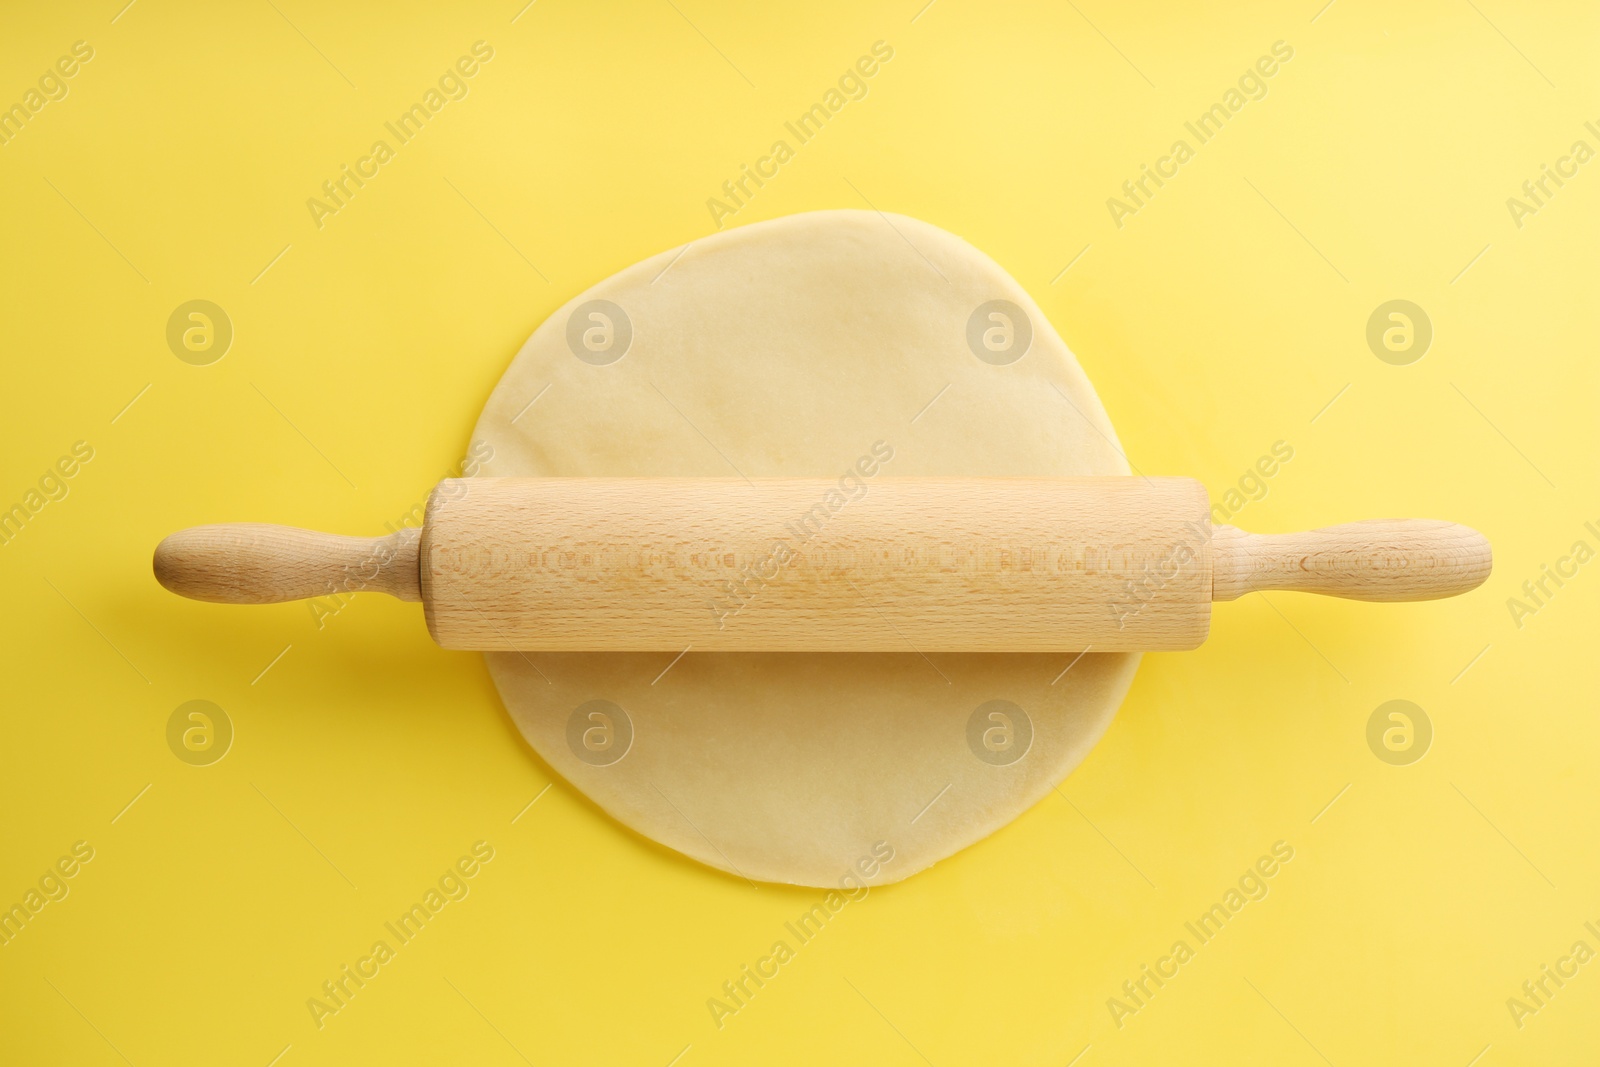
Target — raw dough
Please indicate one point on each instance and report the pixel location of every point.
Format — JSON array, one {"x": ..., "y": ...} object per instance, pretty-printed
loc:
[{"x": 792, "y": 347}]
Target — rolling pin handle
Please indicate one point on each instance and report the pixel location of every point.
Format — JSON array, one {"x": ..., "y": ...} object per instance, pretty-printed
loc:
[
  {"x": 257, "y": 563},
  {"x": 1377, "y": 560}
]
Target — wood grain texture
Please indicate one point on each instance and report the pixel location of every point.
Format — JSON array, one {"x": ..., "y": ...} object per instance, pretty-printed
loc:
[
  {"x": 256, "y": 563},
  {"x": 790, "y": 564},
  {"x": 1378, "y": 559}
]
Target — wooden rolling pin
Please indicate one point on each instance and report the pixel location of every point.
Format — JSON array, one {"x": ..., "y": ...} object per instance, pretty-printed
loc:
[{"x": 795, "y": 564}]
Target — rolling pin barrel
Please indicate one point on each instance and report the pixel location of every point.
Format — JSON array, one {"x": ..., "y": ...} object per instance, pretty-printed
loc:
[
  {"x": 791, "y": 564},
  {"x": 799, "y": 564}
]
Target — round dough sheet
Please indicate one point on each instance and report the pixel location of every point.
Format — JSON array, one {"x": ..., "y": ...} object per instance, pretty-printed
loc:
[{"x": 841, "y": 344}]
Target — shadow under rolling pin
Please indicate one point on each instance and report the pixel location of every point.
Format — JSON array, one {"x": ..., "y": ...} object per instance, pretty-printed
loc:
[{"x": 803, "y": 564}]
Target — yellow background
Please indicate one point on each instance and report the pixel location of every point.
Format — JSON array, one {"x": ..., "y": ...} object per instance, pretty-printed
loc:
[{"x": 1221, "y": 318}]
